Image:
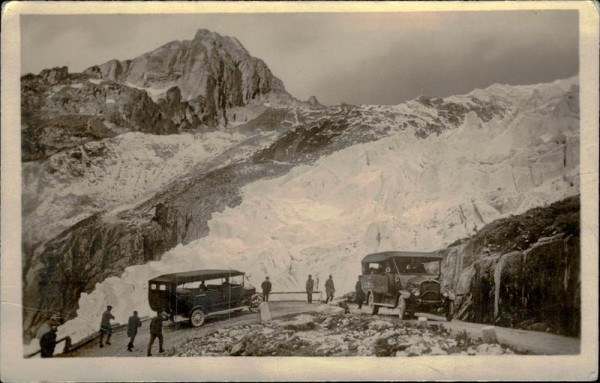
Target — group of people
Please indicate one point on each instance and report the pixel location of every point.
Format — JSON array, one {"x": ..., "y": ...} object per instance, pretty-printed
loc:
[
  {"x": 134, "y": 322},
  {"x": 329, "y": 289},
  {"x": 310, "y": 285}
]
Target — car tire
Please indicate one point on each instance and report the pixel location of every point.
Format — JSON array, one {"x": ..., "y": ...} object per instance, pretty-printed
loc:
[
  {"x": 197, "y": 317},
  {"x": 450, "y": 311},
  {"x": 371, "y": 302},
  {"x": 255, "y": 302}
]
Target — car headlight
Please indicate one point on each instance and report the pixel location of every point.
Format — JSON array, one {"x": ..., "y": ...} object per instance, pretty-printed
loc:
[{"x": 416, "y": 292}]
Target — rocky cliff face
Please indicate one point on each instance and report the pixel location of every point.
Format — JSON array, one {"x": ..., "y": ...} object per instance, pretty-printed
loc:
[
  {"x": 214, "y": 71},
  {"x": 61, "y": 111},
  {"x": 522, "y": 271}
]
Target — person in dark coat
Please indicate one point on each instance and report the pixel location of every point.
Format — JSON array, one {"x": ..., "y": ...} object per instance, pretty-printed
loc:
[
  {"x": 360, "y": 294},
  {"x": 266, "y": 288},
  {"x": 329, "y": 289},
  {"x": 310, "y": 284},
  {"x": 105, "y": 326},
  {"x": 48, "y": 342},
  {"x": 156, "y": 326},
  {"x": 132, "y": 326}
]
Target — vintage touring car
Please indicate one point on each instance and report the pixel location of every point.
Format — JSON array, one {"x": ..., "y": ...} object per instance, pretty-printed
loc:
[
  {"x": 194, "y": 295},
  {"x": 409, "y": 281}
]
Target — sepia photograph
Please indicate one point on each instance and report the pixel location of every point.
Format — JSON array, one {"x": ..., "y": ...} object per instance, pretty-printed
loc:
[{"x": 243, "y": 191}]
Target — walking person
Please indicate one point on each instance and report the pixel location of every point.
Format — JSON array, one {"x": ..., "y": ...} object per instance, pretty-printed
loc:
[
  {"x": 310, "y": 283},
  {"x": 266, "y": 288},
  {"x": 156, "y": 326},
  {"x": 329, "y": 289},
  {"x": 105, "y": 326},
  {"x": 132, "y": 326},
  {"x": 360, "y": 294},
  {"x": 48, "y": 342}
]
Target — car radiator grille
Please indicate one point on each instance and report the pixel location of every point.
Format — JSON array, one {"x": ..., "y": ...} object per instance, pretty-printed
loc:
[{"x": 430, "y": 291}]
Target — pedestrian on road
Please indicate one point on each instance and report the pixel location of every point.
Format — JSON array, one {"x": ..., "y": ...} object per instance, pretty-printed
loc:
[
  {"x": 48, "y": 342},
  {"x": 132, "y": 326},
  {"x": 310, "y": 283},
  {"x": 360, "y": 294},
  {"x": 156, "y": 332},
  {"x": 105, "y": 326},
  {"x": 266, "y": 288},
  {"x": 329, "y": 289}
]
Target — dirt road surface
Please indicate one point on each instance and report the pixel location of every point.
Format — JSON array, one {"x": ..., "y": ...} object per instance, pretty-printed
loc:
[{"x": 524, "y": 341}]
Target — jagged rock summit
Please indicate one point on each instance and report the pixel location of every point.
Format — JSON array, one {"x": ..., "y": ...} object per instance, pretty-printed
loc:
[{"x": 215, "y": 70}]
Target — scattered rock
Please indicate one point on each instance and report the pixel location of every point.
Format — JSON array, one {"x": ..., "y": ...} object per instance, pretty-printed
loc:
[
  {"x": 237, "y": 349},
  {"x": 488, "y": 335}
]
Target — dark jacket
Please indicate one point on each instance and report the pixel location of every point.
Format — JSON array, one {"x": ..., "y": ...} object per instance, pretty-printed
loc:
[
  {"x": 266, "y": 287},
  {"x": 156, "y": 325},
  {"x": 106, "y": 317},
  {"x": 329, "y": 288},
  {"x": 359, "y": 291},
  {"x": 134, "y": 323},
  {"x": 47, "y": 344},
  {"x": 310, "y": 284}
]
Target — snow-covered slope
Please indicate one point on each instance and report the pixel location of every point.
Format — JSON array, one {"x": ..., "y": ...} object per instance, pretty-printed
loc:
[
  {"x": 101, "y": 175},
  {"x": 400, "y": 192}
]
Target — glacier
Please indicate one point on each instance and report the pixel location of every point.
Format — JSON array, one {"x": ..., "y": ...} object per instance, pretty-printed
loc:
[{"x": 400, "y": 192}]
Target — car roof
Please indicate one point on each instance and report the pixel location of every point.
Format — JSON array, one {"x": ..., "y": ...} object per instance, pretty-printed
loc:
[
  {"x": 382, "y": 256},
  {"x": 196, "y": 275}
]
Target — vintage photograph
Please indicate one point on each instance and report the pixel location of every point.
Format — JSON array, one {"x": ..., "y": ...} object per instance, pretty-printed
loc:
[{"x": 300, "y": 184}]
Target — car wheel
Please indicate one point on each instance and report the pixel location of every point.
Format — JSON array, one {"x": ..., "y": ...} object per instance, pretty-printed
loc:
[
  {"x": 450, "y": 311},
  {"x": 371, "y": 301},
  {"x": 255, "y": 302},
  {"x": 197, "y": 317},
  {"x": 402, "y": 308}
]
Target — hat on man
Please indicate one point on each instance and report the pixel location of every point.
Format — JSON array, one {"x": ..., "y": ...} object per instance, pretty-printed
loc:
[{"x": 109, "y": 307}]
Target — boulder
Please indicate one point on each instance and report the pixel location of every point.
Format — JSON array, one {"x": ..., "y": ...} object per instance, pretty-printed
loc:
[
  {"x": 488, "y": 335},
  {"x": 329, "y": 310}
]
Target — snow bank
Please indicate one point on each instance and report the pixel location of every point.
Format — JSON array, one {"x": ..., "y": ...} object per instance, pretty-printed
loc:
[{"x": 398, "y": 193}]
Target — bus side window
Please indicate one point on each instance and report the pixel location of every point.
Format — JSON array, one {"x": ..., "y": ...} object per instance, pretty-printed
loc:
[
  {"x": 162, "y": 287},
  {"x": 153, "y": 286}
]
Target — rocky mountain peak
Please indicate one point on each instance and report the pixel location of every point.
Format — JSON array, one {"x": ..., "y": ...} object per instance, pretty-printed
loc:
[{"x": 214, "y": 71}]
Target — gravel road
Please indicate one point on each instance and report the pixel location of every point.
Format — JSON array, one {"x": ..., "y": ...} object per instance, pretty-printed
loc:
[{"x": 522, "y": 340}]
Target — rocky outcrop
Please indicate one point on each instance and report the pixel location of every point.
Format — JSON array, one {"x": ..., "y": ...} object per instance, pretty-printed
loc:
[
  {"x": 521, "y": 271},
  {"x": 214, "y": 71},
  {"x": 61, "y": 111}
]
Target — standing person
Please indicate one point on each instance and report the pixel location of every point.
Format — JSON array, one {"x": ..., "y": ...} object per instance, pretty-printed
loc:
[
  {"x": 156, "y": 332},
  {"x": 48, "y": 342},
  {"x": 132, "y": 326},
  {"x": 105, "y": 326},
  {"x": 310, "y": 283},
  {"x": 266, "y": 288},
  {"x": 329, "y": 289},
  {"x": 360, "y": 294}
]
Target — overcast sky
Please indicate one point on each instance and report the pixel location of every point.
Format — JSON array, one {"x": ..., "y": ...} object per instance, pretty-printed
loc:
[{"x": 368, "y": 58}]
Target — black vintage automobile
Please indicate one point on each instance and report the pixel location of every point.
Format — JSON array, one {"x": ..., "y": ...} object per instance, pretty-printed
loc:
[
  {"x": 409, "y": 281},
  {"x": 194, "y": 295}
]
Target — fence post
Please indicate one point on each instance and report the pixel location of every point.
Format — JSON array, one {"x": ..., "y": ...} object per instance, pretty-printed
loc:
[{"x": 67, "y": 344}]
